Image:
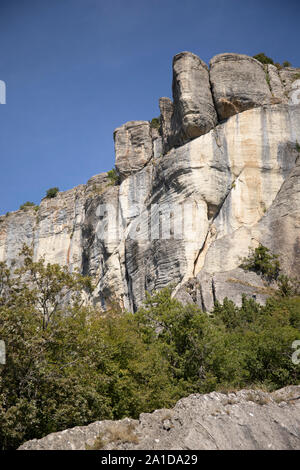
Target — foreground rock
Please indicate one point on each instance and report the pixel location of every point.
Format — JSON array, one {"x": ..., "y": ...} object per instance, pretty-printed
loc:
[{"x": 247, "y": 419}]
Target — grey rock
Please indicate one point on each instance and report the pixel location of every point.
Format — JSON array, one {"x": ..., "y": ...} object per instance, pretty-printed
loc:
[
  {"x": 133, "y": 147},
  {"x": 238, "y": 83},
  {"x": 279, "y": 229},
  {"x": 276, "y": 85},
  {"x": 207, "y": 288},
  {"x": 288, "y": 75},
  {"x": 194, "y": 113},
  {"x": 242, "y": 420},
  {"x": 166, "y": 111}
]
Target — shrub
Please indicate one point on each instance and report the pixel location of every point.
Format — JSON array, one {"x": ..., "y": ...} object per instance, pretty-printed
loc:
[
  {"x": 52, "y": 192},
  {"x": 155, "y": 123},
  {"x": 286, "y": 63},
  {"x": 26, "y": 205},
  {"x": 261, "y": 57},
  {"x": 113, "y": 176},
  {"x": 262, "y": 262}
]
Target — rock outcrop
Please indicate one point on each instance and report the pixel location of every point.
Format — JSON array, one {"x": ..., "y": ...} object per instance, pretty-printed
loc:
[
  {"x": 220, "y": 175},
  {"x": 194, "y": 112},
  {"x": 238, "y": 83},
  {"x": 244, "y": 420},
  {"x": 133, "y": 147}
]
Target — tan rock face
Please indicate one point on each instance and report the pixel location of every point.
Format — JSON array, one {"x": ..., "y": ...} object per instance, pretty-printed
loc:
[
  {"x": 194, "y": 112},
  {"x": 276, "y": 85},
  {"x": 166, "y": 111},
  {"x": 238, "y": 83},
  {"x": 133, "y": 147},
  {"x": 54, "y": 231}
]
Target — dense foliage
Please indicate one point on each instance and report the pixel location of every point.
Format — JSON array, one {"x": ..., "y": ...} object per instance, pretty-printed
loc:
[
  {"x": 52, "y": 192},
  {"x": 68, "y": 364}
]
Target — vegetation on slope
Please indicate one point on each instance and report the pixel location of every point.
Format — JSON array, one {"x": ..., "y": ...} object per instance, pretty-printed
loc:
[{"x": 68, "y": 364}]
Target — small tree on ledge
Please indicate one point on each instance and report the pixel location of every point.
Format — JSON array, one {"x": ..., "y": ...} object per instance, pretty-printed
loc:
[
  {"x": 52, "y": 192},
  {"x": 262, "y": 262}
]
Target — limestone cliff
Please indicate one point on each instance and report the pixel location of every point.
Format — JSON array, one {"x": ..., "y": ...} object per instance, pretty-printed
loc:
[{"x": 220, "y": 175}]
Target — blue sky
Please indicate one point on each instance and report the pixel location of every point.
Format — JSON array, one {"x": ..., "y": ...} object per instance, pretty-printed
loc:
[{"x": 77, "y": 69}]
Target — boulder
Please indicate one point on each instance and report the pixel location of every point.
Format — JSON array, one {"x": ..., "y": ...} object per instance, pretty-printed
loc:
[
  {"x": 238, "y": 83},
  {"x": 133, "y": 147},
  {"x": 194, "y": 112}
]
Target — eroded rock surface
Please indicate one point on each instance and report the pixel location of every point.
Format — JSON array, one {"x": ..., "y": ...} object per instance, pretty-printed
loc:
[
  {"x": 133, "y": 146},
  {"x": 247, "y": 419},
  {"x": 238, "y": 83},
  {"x": 194, "y": 112}
]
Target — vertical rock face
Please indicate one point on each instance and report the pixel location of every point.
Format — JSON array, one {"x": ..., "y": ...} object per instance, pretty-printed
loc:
[
  {"x": 238, "y": 83},
  {"x": 133, "y": 147},
  {"x": 54, "y": 231},
  {"x": 279, "y": 229},
  {"x": 190, "y": 202},
  {"x": 166, "y": 111},
  {"x": 276, "y": 85},
  {"x": 194, "y": 113}
]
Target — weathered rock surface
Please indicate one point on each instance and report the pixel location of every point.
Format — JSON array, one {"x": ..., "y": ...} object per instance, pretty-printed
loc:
[
  {"x": 184, "y": 214},
  {"x": 238, "y": 83},
  {"x": 133, "y": 147},
  {"x": 166, "y": 111},
  {"x": 194, "y": 112},
  {"x": 54, "y": 231},
  {"x": 247, "y": 419},
  {"x": 207, "y": 288},
  {"x": 276, "y": 85}
]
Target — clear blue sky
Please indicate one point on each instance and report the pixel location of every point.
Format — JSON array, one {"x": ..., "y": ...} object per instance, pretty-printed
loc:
[{"x": 77, "y": 69}]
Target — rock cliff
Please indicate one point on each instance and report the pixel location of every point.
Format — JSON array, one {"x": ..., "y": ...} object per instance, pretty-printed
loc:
[
  {"x": 221, "y": 174},
  {"x": 244, "y": 420}
]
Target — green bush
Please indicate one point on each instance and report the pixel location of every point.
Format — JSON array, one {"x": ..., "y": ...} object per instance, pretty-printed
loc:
[
  {"x": 262, "y": 262},
  {"x": 26, "y": 205},
  {"x": 113, "y": 176},
  {"x": 261, "y": 57},
  {"x": 52, "y": 192},
  {"x": 155, "y": 123},
  {"x": 286, "y": 63}
]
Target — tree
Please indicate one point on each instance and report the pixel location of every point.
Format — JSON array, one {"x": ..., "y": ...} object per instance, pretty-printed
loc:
[
  {"x": 49, "y": 287},
  {"x": 69, "y": 364},
  {"x": 263, "y": 262}
]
